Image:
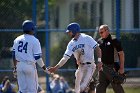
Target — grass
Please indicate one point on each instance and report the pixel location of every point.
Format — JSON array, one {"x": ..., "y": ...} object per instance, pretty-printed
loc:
[{"x": 127, "y": 90}]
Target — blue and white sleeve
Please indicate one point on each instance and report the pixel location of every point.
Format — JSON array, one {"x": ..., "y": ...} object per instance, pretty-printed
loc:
[
  {"x": 37, "y": 50},
  {"x": 68, "y": 52}
]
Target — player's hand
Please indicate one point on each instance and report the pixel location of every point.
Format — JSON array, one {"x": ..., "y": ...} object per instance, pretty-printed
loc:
[
  {"x": 46, "y": 70},
  {"x": 99, "y": 65},
  {"x": 52, "y": 69},
  {"x": 78, "y": 62}
]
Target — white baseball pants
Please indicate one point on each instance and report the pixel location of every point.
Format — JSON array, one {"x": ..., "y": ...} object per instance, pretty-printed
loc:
[
  {"x": 27, "y": 77},
  {"x": 83, "y": 76}
]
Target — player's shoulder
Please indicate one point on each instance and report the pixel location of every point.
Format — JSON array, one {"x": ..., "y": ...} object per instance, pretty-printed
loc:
[
  {"x": 70, "y": 45},
  {"x": 71, "y": 42},
  {"x": 27, "y": 37},
  {"x": 85, "y": 35},
  {"x": 34, "y": 39},
  {"x": 19, "y": 37}
]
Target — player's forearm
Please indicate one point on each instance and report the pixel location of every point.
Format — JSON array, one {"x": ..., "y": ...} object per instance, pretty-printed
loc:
[
  {"x": 62, "y": 62},
  {"x": 122, "y": 59},
  {"x": 41, "y": 63}
]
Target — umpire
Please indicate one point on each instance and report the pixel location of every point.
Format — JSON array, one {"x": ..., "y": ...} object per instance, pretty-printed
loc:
[{"x": 111, "y": 48}]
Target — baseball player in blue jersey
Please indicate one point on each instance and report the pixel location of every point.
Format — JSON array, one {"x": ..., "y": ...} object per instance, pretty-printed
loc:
[
  {"x": 26, "y": 52},
  {"x": 82, "y": 46}
]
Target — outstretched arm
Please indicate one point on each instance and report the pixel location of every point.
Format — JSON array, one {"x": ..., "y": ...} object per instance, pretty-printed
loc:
[
  {"x": 60, "y": 64},
  {"x": 42, "y": 65}
]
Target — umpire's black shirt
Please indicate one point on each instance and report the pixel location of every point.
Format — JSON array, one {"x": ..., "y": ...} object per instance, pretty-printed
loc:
[{"x": 107, "y": 46}]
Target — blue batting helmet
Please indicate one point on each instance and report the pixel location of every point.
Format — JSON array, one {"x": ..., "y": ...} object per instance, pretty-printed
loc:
[
  {"x": 28, "y": 25},
  {"x": 74, "y": 28}
]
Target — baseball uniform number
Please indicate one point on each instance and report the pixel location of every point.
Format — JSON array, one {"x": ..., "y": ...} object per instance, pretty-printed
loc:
[{"x": 22, "y": 46}]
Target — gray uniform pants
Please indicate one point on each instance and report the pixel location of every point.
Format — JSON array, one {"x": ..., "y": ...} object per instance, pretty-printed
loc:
[{"x": 105, "y": 78}]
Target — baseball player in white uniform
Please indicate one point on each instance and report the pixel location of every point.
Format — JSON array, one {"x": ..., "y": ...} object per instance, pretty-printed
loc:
[
  {"x": 82, "y": 46},
  {"x": 26, "y": 52}
]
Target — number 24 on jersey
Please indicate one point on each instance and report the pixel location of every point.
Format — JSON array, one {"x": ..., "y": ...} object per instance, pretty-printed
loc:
[{"x": 22, "y": 47}]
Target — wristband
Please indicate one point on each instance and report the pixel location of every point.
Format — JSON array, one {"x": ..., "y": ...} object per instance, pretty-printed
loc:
[
  {"x": 99, "y": 59},
  {"x": 44, "y": 67}
]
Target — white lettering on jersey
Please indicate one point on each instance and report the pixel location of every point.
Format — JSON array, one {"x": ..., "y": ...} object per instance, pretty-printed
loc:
[{"x": 78, "y": 46}]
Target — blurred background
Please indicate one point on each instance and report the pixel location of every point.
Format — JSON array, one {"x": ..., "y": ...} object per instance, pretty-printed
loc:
[{"x": 52, "y": 18}]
